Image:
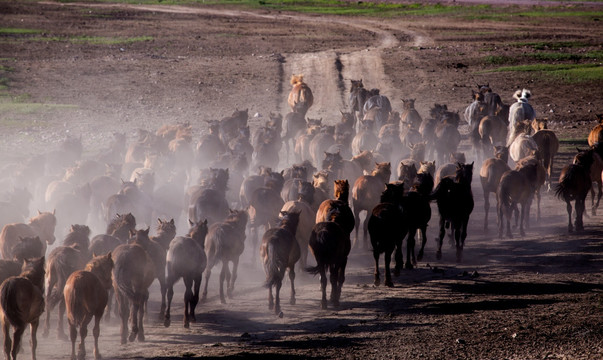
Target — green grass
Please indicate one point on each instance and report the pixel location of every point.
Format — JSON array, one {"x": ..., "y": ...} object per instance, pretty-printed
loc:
[
  {"x": 16, "y": 31},
  {"x": 571, "y": 73},
  {"x": 499, "y": 59},
  {"x": 551, "y": 45}
]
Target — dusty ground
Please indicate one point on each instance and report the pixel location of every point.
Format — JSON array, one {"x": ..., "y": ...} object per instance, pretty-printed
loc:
[{"x": 537, "y": 297}]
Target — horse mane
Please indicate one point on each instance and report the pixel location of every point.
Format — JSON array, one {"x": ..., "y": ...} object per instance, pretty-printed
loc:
[
  {"x": 34, "y": 271},
  {"x": 297, "y": 79}
]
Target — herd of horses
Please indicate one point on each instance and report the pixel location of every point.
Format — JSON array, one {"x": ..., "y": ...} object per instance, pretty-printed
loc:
[{"x": 336, "y": 196}]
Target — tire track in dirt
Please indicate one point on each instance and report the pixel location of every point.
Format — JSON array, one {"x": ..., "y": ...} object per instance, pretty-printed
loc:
[{"x": 326, "y": 72}]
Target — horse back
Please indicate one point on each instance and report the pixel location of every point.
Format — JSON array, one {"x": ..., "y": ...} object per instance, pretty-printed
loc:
[
  {"x": 328, "y": 243},
  {"x": 84, "y": 295},
  {"x": 21, "y": 301},
  {"x": 185, "y": 256},
  {"x": 367, "y": 191},
  {"x": 595, "y": 135},
  {"x": 133, "y": 270}
]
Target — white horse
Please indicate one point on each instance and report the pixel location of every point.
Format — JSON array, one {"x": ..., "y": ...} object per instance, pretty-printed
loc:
[
  {"x": 523, "y": 145},
  {"x": 519, "y": 111}
]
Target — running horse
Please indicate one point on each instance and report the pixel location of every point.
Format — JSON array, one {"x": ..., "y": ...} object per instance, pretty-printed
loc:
[{"x": 300, "y": 97}]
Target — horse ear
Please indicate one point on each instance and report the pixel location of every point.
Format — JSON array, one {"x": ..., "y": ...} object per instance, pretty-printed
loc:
[
  {"x": 190, "y": 222},
  {"x": 159, "y": 221},
  {"x": 39, "y": 212},
  {"x": 459, "y": 165},
  {"x": 172, "y": 221},
  {"x": 205, "y": 222},
  {"x": 147, "y": 230}
]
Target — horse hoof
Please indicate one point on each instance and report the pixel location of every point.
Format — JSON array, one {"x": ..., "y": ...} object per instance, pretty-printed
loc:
[
  {"x": 389, "y": 283},
  {"x": 396, "y": 271},
  {"x": 167, "y": 322},
  {"x": 140, "y": 337},
  {"x": 132, "y": 337},
  {"x": 323, "y": 305},
  {"x": 377, "y": 282},
  {"x": 192, "y": 318},
  {"x": 439, "y": 255},
  {"x": 408, "y": 266},
  {"x": 280, "y": 314},
  {"x": 223, "y": 301},
  {"x": 292, "y": 301},
  {"x": 186, "y": 325}
]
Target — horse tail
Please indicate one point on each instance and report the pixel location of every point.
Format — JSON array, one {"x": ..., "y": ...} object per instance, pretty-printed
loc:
[
  {"x": 442, "y": 188},
  {"x": 122, "y": 280},
  {"x": 546, "y": 151},
  {"x": 274, "y": 265},
  {"x": 565, "y": 184},
  {"x": 11, "y": 308}
]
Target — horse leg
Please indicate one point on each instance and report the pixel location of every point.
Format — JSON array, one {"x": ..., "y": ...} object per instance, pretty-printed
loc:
[
  {"x": 333, "y": 279},
  {"x": 524, "y": 217},
  {"x": 33, "y": 329},
  {"x": 459, "y": 255},
  {"x": 222, "y": 276},
  {"x": 341, "y": 277},
  {"x": 17, "y": 335},
  {"x": 365, "y": 230},
  {"x": 60, "y": 329},
  {"x": 356, "y": 227},
  {"x": 73, "y": 337},
  {"x": 388, "y": 275},
  {"x": 7, "y": 341},
  {"x": 170, "y": 296},
  {"x": 457, "y": 240},
  {"x": 509, "y": 213},
  {"x": 111, "y": 295},
  {"x": 141, "y": 312},
  {"x": 410, "y": 248},
  {"x": 52, "y": 281},
  {"x": 440, "y": 239},
  {"x": 277, "y": 297},
  {"x": 579, "y": 205},
  {"x": 323, "y": 286},
  {"x": 163, "y": 290},
  {"x": 377, "y": 280},
  {"x": 270, "y": 298},
  {"x": 205, "y": 283},
  {"x": 96, "y": 334},
  {"x": 235, "y": 268},
  {"x": 568, "y": 206},
  {"x": 194, "y": 299},
  {"x": 486, "y": 209},
  {"x": 423, "y": 242},
  {"x": 188, "y": 294},
  {"x": 124, "y": 313},
  {"x": 292, "y": 280},
  {"x": 83, "y": 333},
  {"x": 398, "y": 256},
  {"x": 134, "y": 310},
  {"x": 600, "y": 188}
]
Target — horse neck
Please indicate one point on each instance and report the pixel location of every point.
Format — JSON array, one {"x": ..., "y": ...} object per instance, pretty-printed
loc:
[
  {"x": 342, "y": 195},
  {"x": 289, "y": 225},
  {"x": 36, "y": 276},
  {"x": 164, "y": 236}
]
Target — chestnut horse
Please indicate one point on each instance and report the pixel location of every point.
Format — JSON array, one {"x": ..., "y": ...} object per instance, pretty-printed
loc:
[
  {"x": 300, "y": 97},
  {"x": 490, "y": 173},
  {"x": 366, "y": 194},
  {"x": 22, "y": 303},
  {"x": 280, "y": 251},
  {"x": 86, "y": 296},
  {"x": 515, "y": 187},
  {"x": 548, "y": 145}
]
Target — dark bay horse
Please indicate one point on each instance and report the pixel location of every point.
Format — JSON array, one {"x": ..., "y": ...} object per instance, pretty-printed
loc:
[
  {"x": 515, "y": 187},
  {"x": 133, "y": 273},
  {"x": 490, "y": 173},
  {"x": 86, "y": 296},
  {"x": 387, "y": 228},
  {"x": 455, "y": 204},
  {"x": 225, "y": 242},
  {"x": 280, "y": 251},
  {"x": 186, "y": 259},
  {"x": 330, "y": 246},
  {"x": 574, "y": 184},
  {"x": 22, "y": 303},
  {"x": 417, "y": 213}
]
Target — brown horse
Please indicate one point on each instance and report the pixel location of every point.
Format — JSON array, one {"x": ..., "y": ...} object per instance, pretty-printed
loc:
[
  {"x": 449, "y": 169},
  {"x": 133, "y": 273},
  {"x": 409, "y": 114},
  {"x": 538, "y": 182},
  {"x": 574, "y": 184},
  {"x": 9, "y": 268},
  {"x": 447, "y": 136},
  {"x": 417, "y": 213},
  {"x": 22, "y": 303},
  {"x": 280, "y": 251},
  {"x": 515, "y": 187},
  {"x": 358, "y": 96},
  {"x": 331, "y": 247},
  {"x": 300, "y": 97},
  {"x": 225, "y": 241},
  {"x": 186, "y": 259},
  {"x": 490, "y": 173},
  {"x": 366, "y": 194},
  {"x": 266, "y": 202},
  {"x": 86, "y": 296},
  {"x": 493, "y": 129},
  {"x": 42, "y": 225},
  {"x": 548, "y": 145},
  {"x": 387, "y": 228},
  {"x": 596, "y": 134},
  {"x": 62, "y": 262},
  {"x": 338, "y": 209},
  {"x": 306, "y": 218},
  {"x": 120, "y": 226}
]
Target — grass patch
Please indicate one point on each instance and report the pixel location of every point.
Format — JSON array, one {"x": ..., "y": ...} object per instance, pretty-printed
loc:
[
  {"x": 551, "y": 45},
  {"x": 571, "y": 73},
  {"x": 544, "y": 56},
  {"x": 499, "y": 59},
  {"x": 16, "y": 31}
]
